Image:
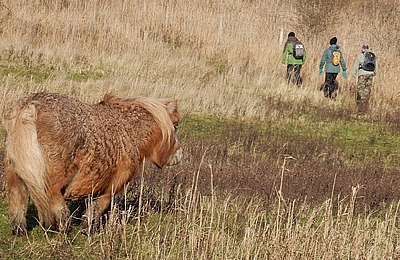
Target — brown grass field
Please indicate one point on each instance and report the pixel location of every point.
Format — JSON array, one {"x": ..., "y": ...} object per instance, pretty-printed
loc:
[{"x": 271, "y": 171}]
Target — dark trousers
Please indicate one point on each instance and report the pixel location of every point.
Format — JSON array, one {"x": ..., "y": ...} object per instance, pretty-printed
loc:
[
  {"x": 330, "y": 85},
  {"x": 294, "y": 69}
]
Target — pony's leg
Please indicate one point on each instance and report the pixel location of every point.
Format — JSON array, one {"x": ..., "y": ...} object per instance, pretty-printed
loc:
[
  {"x": 94, "y": 211},
  {"x": 97, "y": 208},
  {"x": 17, "y": 201},
  {"x": 60, "y": 212}
]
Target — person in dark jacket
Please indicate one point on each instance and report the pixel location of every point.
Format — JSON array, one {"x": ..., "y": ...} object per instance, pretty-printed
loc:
[
  {"x": 332, "y": 58},
  {"x": 294, "y": 63}
]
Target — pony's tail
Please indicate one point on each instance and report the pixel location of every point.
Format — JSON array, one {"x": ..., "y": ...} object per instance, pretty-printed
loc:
[{"x": 25, "y": 153}]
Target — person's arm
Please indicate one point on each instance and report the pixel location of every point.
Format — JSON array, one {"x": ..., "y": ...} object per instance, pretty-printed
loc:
[
  {"x": 322, "y": 61},
  {"x": 285, "y": 53},
  {"x": 356, "y": 66},
  {"x": 342, "y": 62}
]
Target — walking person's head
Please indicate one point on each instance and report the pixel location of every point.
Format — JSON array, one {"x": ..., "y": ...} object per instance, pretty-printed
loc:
[
  {"x": 291, "y": 34},
  {"x": 333, "y": 41},
  {"x": 364, "y": 47}
]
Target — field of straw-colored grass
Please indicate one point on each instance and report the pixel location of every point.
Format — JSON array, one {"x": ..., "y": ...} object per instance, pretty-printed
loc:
[{"x": 218, "y": 58}]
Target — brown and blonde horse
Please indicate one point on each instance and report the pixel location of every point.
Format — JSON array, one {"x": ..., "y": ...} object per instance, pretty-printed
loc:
[{"x": 58, "y": 148}]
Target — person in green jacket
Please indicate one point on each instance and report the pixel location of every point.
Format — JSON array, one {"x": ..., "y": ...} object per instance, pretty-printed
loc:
[
  {"x": 332, "y": 58},
  {"x": 294, "y": 55}
]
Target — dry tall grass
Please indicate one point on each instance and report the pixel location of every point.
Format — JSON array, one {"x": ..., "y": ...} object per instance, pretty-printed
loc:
[
  {"x": 219, "y": 226},
  {"x": 217, "y": 57},
  {"x": 220, "y": 57}
]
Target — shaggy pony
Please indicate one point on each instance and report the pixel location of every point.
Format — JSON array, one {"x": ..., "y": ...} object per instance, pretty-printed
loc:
[{"x": 58, "y": 148}]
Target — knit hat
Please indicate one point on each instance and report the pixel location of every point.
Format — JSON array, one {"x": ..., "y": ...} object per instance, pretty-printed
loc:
[
  {"x": 333, "y": 41},
  {"x": 291, "y": 34}
]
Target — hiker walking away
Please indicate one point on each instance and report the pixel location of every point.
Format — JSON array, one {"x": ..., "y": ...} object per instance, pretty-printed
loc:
[
  {"x": 294, "y": 55},
  {"x": 332, "y": 58},
  {"x": 364, "y": 69}
]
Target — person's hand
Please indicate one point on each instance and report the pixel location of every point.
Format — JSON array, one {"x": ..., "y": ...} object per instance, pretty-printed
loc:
[
  {"x": 344, "y": 74},
  {"x": 320, "y": 72}
]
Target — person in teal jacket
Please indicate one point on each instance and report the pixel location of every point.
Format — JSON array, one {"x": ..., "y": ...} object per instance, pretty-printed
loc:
[
  {"x": 332, "y": 58},
  {"x": 294, "y": 63}
]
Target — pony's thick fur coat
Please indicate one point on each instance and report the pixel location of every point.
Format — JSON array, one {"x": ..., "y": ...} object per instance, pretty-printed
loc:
[{"x": 59, "y": 148}]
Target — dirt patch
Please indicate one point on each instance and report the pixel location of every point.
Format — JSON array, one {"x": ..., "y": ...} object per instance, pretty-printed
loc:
[{"x": 232, "y": 164}]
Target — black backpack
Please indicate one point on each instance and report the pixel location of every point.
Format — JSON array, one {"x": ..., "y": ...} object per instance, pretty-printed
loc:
[
  {"x": 369, "y": 61},
  {"x": 298, "y": 50}
]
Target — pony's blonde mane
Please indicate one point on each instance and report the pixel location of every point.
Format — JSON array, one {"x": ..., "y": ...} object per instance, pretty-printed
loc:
[
  {"x": 159, "y": 111},
  {"x": 155, "y": 106}
]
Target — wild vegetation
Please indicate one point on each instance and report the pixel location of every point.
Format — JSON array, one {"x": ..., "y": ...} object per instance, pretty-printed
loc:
[{"x": 271, "y": 171}]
